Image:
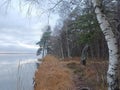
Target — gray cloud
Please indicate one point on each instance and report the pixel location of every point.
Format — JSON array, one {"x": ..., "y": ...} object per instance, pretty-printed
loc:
[{"x": 19, "y": 33}]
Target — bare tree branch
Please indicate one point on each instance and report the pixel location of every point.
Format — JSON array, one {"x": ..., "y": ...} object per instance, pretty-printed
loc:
[
  {"x": 56, "y": 5},
  {"x": 5, "y": 3}
]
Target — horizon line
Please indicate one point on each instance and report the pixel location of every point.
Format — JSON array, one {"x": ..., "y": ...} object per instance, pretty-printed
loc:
[{"x": 16, "y": 53}]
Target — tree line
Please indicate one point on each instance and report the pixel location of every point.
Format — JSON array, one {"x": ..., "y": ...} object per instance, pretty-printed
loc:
[
  {"x": 91, "y": 24},
  {"x": 81, "y": 27}
]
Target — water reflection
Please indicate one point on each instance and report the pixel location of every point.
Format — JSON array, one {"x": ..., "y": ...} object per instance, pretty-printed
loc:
[{"x": 17, "y": 72}]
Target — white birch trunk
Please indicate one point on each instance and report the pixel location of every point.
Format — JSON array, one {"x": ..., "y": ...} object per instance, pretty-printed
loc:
[
  {"x": 112, "y": 77},
  {"x": 43, "y": 53}
]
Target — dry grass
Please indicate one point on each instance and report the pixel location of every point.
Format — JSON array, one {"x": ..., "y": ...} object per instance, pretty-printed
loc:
[
  {"x": 93, "y": 75},
  {"x": 51, "y": 75},
  {"x": 70, "y": 74}
]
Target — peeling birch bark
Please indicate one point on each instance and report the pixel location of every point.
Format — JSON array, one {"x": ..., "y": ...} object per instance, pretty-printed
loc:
[{"x": 112, "y": 74}]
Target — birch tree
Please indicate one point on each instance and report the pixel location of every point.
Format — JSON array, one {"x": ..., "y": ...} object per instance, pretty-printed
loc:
[{"x": 112, "y": 73}]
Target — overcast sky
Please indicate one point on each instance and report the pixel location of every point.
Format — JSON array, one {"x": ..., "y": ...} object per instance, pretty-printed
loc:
[{"x": 19, "y": 32}]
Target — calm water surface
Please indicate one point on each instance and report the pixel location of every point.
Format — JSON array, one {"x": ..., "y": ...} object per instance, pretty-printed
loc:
[{"x": 17, "y": 71}]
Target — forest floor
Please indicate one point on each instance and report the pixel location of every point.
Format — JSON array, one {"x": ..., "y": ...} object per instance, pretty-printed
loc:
[{"x": 70, "y": 74}]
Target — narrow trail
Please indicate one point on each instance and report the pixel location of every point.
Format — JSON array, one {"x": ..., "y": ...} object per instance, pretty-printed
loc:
[
  {"x": 80, "y": 84},
  {"x": 76, "y": 68},
  {"x": 70, "y": 74}
]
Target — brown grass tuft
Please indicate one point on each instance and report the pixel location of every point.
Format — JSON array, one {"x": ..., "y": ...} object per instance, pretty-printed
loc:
[{"x": 51, "y": 75}]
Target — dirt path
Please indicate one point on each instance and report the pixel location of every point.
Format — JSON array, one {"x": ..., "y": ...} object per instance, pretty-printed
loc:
[
  {"x": 77, "y": 70},
  {"x": 69, "y": 74}
]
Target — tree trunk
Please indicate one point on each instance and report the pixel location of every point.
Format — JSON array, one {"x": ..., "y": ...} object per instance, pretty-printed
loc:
[
  {"x": 67, "y": 42},
  {"x": 91, "y": 52},
  {"x": 68, "y": 49},
  {"x": 98, "y": 49},
  {"x": 43, "y": 54},
  {"x": 103, "y": 48},
  {"x": 84, "y": 54},
  {"x": 112, "y": 74},
  {"x": 61, "y": 49}
]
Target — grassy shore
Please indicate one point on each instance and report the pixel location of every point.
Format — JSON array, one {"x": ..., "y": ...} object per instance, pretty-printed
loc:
[
  {"x": 70, "y": 74},
  {"x": 52, "y": 75}
]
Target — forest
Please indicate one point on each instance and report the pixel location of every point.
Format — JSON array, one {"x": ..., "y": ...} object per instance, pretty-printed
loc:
[
  {"x": 79, "y": 29},
  {"x": 87, "y": 29}
]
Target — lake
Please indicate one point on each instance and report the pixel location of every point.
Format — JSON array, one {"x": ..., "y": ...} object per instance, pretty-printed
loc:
[{"x": 17, "y": 71}]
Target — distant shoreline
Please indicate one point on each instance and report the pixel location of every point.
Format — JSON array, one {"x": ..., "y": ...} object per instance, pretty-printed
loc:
[{"x": 17, "y": 53}]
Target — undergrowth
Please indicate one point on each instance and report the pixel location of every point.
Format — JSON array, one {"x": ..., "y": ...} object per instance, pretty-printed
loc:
[{"x": 93, "y": 74}]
